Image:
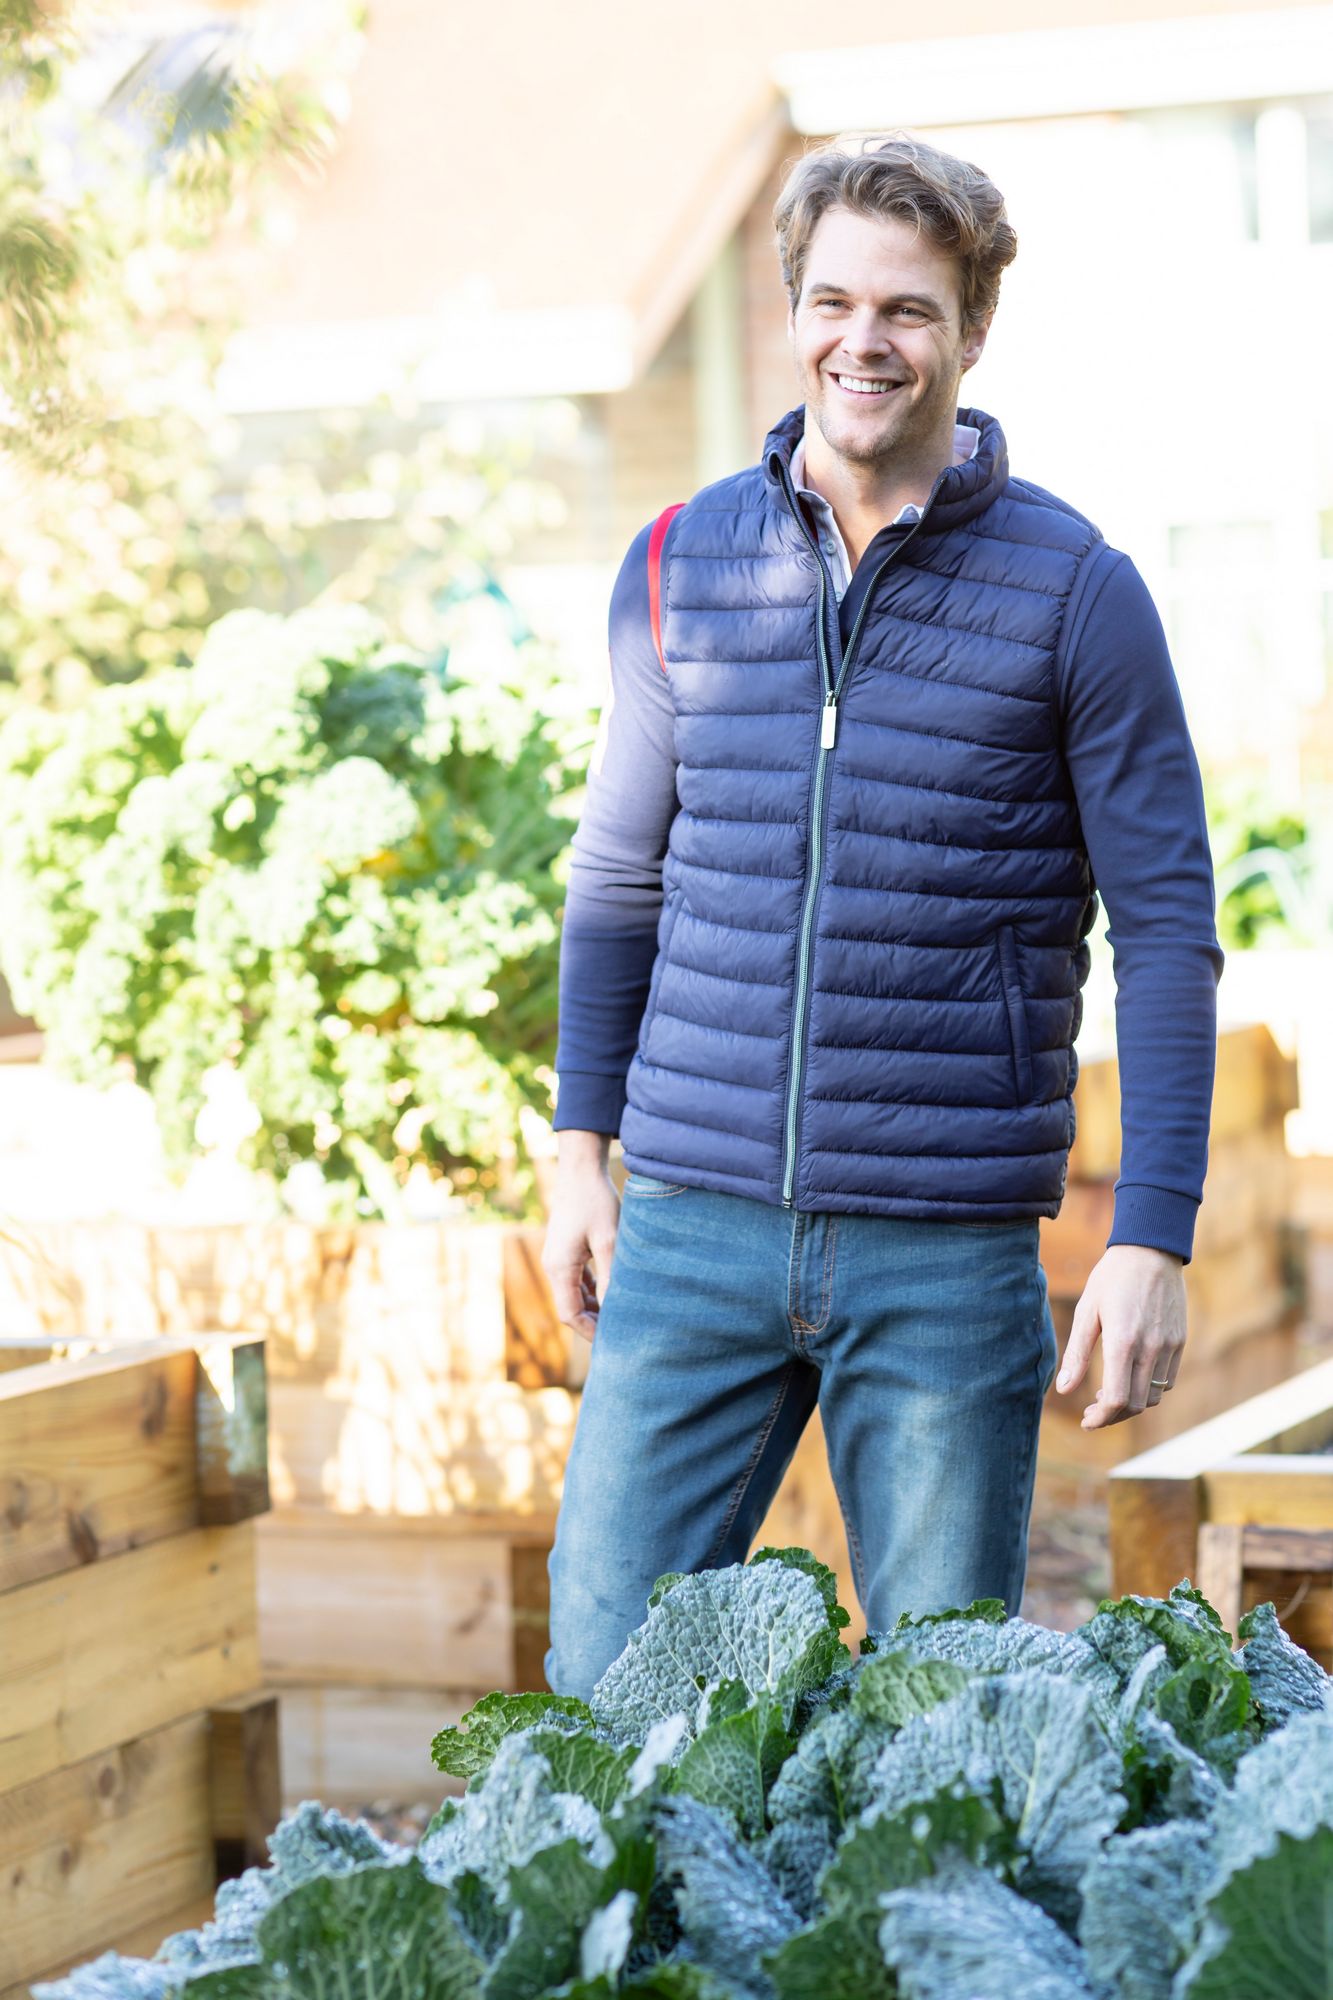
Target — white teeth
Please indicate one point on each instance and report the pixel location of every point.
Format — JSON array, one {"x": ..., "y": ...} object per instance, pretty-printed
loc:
[{"x": 861, "y": 384}]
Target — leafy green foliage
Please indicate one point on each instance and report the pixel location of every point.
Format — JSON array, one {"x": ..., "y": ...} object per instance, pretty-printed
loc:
[
  {"x": 317, "y": 856},
  {"x": 954, "y": 1817}
]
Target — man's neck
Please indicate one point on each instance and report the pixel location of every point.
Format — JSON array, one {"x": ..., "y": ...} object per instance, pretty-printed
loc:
[{"x": 865, "y": 498}]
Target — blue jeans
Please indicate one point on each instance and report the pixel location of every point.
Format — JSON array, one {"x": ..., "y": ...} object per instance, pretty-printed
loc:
[{"x": 928, "y": 1347}]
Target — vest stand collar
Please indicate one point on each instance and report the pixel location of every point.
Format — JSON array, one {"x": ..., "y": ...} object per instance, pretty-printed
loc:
[{"x": 964, "y": 490}]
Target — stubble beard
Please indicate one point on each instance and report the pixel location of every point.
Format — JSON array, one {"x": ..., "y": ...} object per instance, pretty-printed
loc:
[{"x": 905, "y": 435}]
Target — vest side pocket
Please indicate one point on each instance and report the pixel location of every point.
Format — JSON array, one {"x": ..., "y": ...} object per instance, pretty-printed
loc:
[
  {"x": 1019, "y": 1046},
  {"x": 670, "y": 911}
]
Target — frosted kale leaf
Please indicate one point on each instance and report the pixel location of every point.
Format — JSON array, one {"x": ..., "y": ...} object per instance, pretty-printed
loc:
[
  {"x": 826, "y": 1578},
  {"x": 730, "y": 1908},
  {"x": 1123, "y": 1629},
  {"x": 1141, "y": 1898},
  {"x": 765, "y": 1625},
  {"x": 739, "y": 1749},
  {"x": 1283, "y": 1677},
  {"x": 795, "y": 1853},
  {"x": 966, "y": 1936},
  {"x": 112, "y": 1977},
  {"x": 1034, "y": 1744},
  {"x": 510, "y": 1816},
  {"x": 892, "y": 1687},
  {"x": 1164, "y": 1778},
  {"x": 991, "y": 1645},
  {"x": 837, "y": 1956},
  {"x": 1268, "y": 1933},
  {"x": 1267, "y": 1925},
  {"x": 466, "y": 1747},
  {"x": 828, "y": 1777}
]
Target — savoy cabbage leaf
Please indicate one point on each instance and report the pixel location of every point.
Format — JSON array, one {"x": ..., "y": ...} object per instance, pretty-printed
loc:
[
  {"x": 740, "y": 1747},
  {"x": 731, "y": 1910},
  {"x": 1285, "y": 1680},
  {"x": 963, "y": 1935},
  {"x": 836, "y": 1955},
  {"x": 1267, "y": 1918},
  {"x": 1141, "y": 1897},
  {"x": 765, "y": 1625},
  {"x": 1034, "y": 1744},
  {"x": 466, "y": 1747}
]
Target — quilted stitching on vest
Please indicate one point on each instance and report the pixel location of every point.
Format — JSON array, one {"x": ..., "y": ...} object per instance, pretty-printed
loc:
[{"x": 945, "y": 925}]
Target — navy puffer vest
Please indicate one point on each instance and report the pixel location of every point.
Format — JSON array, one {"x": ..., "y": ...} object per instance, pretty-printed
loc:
[{"x": 875, "y": 907}]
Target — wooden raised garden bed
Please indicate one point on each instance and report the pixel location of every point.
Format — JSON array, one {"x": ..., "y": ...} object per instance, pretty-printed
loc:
[
  {"x": 138, "y": 1758},
  {"x": 1243, "y": 1506}
]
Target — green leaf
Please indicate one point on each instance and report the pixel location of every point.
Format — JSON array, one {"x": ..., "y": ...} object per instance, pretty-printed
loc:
[
  {"x": 838, "y": 1955},
  {"x": 736, "y": 1755},
  {"x": 803, "y": 1559},
  {"x": 893, "y": 1687},
  {"x": 766, "y": 1625},
  {"x": 1141, "y": 1899},
  {"x": 1268, "y": 1934},
  {"x": 1033, "y": 1743},
  {"x": 465, "y": 1748},
  {"x": 386, "y": 1928},
  {"x": 965, "y": 1936},
  {"x": 1284, "y": 1679},
  {"x": 829, "y": 1776}
]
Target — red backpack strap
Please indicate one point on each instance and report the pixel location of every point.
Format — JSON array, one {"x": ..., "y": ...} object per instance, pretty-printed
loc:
[{"x": 655, "y": 541}]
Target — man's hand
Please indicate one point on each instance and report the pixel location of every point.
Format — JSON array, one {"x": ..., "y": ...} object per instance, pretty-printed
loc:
[
  {"x": 1135, "y": 1299},
  {"x": 585, "y": 1215}
]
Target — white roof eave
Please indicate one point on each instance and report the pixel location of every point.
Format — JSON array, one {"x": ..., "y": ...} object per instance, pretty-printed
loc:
[{"x": 1212, "y": 58}]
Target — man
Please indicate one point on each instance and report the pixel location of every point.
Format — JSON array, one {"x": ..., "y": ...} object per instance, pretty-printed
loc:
[{"x": 823, "y": 948}]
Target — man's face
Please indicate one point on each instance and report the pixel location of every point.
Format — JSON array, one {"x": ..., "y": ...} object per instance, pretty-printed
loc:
[{"x": 880, "y": 307}]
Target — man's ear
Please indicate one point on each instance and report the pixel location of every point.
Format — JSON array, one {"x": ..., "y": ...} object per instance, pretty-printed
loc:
[{"x": 975, "y": 341}]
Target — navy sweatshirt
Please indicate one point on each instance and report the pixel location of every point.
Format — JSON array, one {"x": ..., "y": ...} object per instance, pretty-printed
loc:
[{"x": 1140, "y": 797}]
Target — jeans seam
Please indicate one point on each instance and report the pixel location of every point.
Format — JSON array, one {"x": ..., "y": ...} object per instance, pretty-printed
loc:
[
  {"x": 826, "y": 1280},
  {"x": 743, "y": 1483}
]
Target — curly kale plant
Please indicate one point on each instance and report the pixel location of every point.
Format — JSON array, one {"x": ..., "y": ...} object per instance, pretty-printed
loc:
[
  {"x": 973, "y": 1807},
  {"x": 313, "y": 855}
]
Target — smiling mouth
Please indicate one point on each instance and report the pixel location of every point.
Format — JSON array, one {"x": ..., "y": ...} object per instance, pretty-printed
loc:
[{"x": 868, "y": 388}]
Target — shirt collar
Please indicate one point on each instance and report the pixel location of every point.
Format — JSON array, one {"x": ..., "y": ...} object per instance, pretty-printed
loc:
[{"x": 966, "y": 438}]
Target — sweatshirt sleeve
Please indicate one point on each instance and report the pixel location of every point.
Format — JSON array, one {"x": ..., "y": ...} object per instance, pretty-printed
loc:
[
  {"x": 613, "y": 902},
  {"x": 1140, "y": 798}
]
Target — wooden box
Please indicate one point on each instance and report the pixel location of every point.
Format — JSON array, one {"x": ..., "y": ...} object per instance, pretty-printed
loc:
[
  {"x": 138, "y": 1757},
  {"x": 1188, "y": 1506}
]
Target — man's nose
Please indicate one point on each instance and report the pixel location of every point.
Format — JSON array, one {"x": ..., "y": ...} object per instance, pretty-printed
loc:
[{"x": 867, "y": 337}]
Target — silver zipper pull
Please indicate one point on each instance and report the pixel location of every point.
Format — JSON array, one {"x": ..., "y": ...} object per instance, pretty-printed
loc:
[{"x": 828, "y": 724}]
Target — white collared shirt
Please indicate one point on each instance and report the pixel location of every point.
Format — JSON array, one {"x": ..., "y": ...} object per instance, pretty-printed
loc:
[{"x": 966, "y": 438}]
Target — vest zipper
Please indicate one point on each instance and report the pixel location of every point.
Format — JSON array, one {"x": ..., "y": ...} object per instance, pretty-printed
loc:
[{"x": 828, "y": 730}]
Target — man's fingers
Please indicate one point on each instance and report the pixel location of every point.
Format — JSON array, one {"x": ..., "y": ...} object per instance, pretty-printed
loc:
[
  {"x": 603, "y": 1250},
  {"x": 1078, "y": 1350}
]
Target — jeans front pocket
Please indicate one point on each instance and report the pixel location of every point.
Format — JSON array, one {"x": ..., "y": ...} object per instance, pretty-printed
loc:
[
  {"x": 645, "y": 1184},
  {"x": 1020, "y": 1047}
]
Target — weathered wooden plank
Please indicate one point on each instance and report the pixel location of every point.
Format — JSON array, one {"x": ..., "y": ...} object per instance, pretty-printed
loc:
[
  {"x": 1288, "y": 1548},
  {"x": 1270, "y": 1489},
  {"x": 1154, "y": 1532},
  {"x": 112, "y": 1450},
  {"x": 96, "y": 1656},
  {"x": 96, "y": 1456},
  {"x": 111, "y": 1842},
  {"x": 1221, "y": 1567},
  {"x": 355, "y": 1606},
  {"x": 245, "y": 1767}
]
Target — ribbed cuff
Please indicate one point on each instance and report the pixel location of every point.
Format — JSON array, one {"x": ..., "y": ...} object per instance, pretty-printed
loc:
[
  {"x": 588, "y": 1101},
  {"x": 1156, "y": 1217}
]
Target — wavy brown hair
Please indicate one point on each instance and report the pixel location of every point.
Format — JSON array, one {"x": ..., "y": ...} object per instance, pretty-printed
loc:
[{"x": 954, "y": 203}]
